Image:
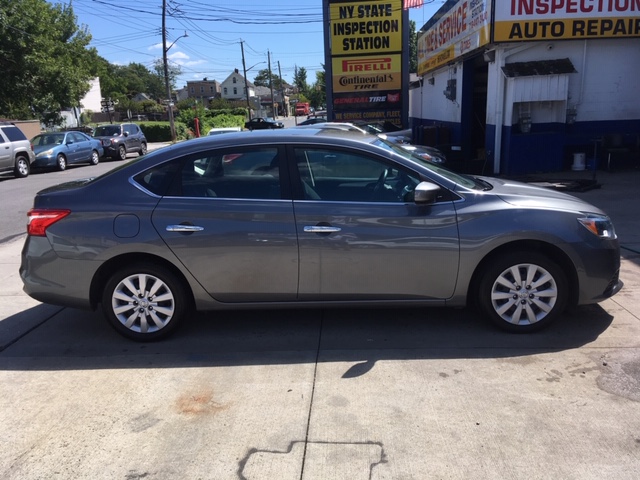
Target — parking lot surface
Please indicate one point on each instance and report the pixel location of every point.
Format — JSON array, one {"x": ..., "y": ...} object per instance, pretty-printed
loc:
[{"x": 327, "y": 394}]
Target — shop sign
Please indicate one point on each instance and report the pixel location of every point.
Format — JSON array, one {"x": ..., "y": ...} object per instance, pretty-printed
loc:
[{"x": 531, "y": 20}]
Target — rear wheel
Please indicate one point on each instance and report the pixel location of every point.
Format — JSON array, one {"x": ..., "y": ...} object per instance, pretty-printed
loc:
[
  {"x": 95, "y": 157},
  {"x": 61, "y": 162},
  {"x": 143, "y": 149},
  {"x": 144, "y": 302},
  {"x": 22, "y": 167},
  {"x": 523, "y": 292}
]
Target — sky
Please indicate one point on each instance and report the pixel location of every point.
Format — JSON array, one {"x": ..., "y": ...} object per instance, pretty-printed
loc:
[{"x": 289, "y": 31}]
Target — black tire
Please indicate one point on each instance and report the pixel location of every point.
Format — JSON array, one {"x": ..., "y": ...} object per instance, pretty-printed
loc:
[
  {"x": 529, "y": 302},
  {"x": 122, "y": 152},
  {"x": 143, "y": 149},
  {"x": 95, "y": 157},
  {"x": 22, "y": 168},
  {"x": 139, "y": 315},
  {"x": 61, "y": 162}
]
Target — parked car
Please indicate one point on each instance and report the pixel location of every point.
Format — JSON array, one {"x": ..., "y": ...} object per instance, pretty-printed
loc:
[
  {"x": 120, "y": 139},
  {"x": 261, "y": 123},
  {"x": 313, "y": 120},
  {"x": 344, "y": 126},
  {"x": 431, "y": 154},
  {"x": 393, "y": 132},
  {"x": 16, "y": 154},
  {"x": 311, "y": 218},
  {"x": 219, "y": 130},
  {"x": 59, "y": 149}
]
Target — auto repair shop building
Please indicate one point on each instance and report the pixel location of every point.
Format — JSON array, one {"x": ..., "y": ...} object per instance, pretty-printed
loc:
[{"x": 526, "y": 86}]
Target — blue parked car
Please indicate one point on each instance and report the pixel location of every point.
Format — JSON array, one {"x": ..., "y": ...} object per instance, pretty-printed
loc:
[{"x": 59, "y": 149}]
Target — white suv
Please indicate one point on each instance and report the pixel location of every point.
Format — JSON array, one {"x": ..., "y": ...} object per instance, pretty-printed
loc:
[{"x": 16, "y": 153}]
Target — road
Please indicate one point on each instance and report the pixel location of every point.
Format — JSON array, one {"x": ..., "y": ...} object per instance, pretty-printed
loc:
[{"x": 17, "y": 193}]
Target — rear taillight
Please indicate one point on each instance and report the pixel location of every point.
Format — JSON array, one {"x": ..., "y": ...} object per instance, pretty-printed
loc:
[{"x": 41, "y": 218}]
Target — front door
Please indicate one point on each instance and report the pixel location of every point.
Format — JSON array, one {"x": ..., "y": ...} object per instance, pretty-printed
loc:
[{"x": 362, "y": 237}]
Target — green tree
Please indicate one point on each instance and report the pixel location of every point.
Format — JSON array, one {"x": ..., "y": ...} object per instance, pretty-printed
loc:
[
  {"x": 318, "y": 91},
  {"x": 262, "y": 79},
  {"x": 300, "y": 79},
  {"x": 45, "y": 62},
  {"x": 413, "y": 47},
  {"x": 173, "y": 71}
]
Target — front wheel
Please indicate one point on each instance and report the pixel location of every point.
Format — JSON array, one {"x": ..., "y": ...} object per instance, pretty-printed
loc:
[
  {"x": 144, "y": 302},
  {"x": 61, "y": 162},
  {"x": 122, "y": 152},
  {"x": 22, "y": 167},
  {"x": 523, "y": 292}
]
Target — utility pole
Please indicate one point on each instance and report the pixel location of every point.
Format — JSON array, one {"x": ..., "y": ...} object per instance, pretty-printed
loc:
[
  {"x": 246, "y": 84},
  {"x": 172, "y": 125},
  {"x": 271, "y": 86},
  {"x": 284, "y": 108}
]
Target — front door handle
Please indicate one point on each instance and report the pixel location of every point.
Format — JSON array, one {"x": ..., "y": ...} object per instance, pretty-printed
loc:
[{"x": 321, "y": 229}]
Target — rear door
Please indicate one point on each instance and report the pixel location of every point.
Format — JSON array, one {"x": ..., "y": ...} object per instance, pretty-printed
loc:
[
  {"x": 228, "y": 217},
  {"x": 82, "y": 147}
]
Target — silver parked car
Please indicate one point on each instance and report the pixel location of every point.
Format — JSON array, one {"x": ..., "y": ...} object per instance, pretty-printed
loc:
[{"x": 315, "y": 218}]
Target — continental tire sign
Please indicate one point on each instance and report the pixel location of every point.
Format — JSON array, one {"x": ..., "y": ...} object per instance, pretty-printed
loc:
[{"x": 371, "y": 73}]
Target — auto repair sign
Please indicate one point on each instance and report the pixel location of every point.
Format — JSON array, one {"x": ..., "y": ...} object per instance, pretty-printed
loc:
[{"x": 530, "y": 20}]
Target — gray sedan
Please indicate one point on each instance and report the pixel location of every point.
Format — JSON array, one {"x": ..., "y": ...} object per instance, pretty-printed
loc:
[{"x": 311, "y": 218}]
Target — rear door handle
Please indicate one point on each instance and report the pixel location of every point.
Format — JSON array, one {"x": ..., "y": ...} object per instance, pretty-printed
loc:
[{"x": 321, "y": 229}]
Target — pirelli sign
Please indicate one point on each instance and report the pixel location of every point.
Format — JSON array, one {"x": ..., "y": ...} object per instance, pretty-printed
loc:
[{"x": 365, "y": 39}]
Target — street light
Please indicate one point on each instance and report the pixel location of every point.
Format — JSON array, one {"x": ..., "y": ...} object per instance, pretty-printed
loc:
[{"x": 165, "y": 49}]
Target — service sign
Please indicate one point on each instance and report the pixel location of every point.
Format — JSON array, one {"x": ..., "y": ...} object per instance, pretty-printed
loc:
[
  {"x": 530, "y": 20},
  {"x": 458, "y": 28},
  {"x": 378, "y": 115},
  {"x": 367, "y": 73},
  {"x": 366, "y": 27}
]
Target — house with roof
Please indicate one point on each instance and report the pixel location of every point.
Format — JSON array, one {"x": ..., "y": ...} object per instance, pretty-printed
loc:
[
  {"x": 233, "y": 87},
  {"x": 203, "y": 90}
]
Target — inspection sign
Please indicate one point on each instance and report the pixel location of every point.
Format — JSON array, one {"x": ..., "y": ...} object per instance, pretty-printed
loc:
[{"x": 531, "y": 20}]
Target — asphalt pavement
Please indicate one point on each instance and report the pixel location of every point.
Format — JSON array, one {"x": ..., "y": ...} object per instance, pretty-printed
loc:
[{"x": 328, "y": 394}]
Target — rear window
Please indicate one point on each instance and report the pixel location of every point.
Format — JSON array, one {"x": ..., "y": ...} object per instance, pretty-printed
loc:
[
  {"x": 157, "y": 179},
  {"x": 14, "y": 134}
]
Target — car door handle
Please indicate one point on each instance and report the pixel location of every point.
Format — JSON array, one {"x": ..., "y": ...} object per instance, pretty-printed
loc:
[
  {"x": 321, "y": 229},
  {"x": 184, "y": 228}
]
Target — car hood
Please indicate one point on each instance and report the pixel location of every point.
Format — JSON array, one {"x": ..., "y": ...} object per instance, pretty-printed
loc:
[
  {"x": 43, "y": 148},
  {"x": 525, "y": 195}
]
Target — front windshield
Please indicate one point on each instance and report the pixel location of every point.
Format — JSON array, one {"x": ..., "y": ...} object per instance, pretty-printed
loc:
[
  {"x": 49, "y": 139},
  {"x": 107, "y": 131},
  {"x": 463, "y": 180}
]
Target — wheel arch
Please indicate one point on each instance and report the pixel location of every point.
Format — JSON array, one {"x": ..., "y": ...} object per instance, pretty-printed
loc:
[
  {"x": 108, "y": 268},
  {"x": 553, "y": 252}
]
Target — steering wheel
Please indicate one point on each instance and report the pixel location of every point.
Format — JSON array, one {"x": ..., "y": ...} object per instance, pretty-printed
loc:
[{"x": 379, "y": 187}]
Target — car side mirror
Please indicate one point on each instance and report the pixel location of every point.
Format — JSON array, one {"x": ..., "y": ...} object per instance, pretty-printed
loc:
[
  {"x": 426, "y": 193},
  {"x": 126, "y": 134}
]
